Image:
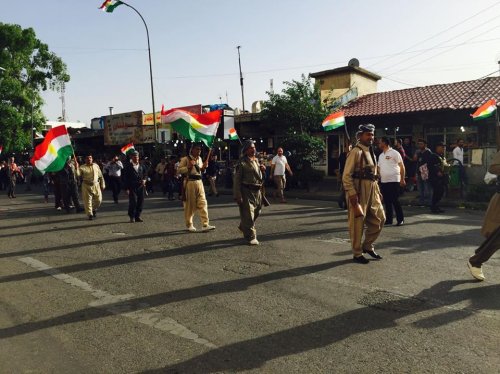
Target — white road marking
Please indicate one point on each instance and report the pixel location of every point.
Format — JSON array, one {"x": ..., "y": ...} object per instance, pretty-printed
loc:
[{"x": 122, "y": 305}]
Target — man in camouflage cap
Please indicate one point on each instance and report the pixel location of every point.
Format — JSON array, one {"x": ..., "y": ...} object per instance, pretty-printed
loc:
[{"x": 363, "y": 196}]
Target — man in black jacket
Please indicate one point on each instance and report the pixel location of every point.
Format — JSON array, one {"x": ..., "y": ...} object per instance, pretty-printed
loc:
[
  {"x": 69, "y": 187},
  {"x": 438, "y": 176},
  {"x": 134, "y": 181}
]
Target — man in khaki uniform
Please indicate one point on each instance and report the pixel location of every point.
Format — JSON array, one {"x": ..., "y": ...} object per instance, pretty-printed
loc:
[
  {"x": 247, "y": 190},
  {"x": 191, "y": 167},
  {"x": 92, "y": 185},
  {"x": 490, "y": 229},
  {"x": 363, "y": 196}
]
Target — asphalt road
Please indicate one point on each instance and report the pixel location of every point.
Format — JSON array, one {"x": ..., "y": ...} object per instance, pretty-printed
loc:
[{"x": 108, "y": 296}]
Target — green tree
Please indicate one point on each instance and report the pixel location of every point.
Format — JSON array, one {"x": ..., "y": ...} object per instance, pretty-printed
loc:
[
  {"x": 297, "y": 112},
  {"x": 29, "y": 68}
]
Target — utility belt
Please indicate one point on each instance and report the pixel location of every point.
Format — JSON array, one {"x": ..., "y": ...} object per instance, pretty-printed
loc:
[
  {"x": 194, "y": 177},
  {"x": 253, "y": 187},
  {"x": 363, "y": 175}
]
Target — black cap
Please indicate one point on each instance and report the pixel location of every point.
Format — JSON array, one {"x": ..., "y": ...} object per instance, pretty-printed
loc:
[
  {"x": 134, "y": 153},
  {"x": 366, "y": 128}
]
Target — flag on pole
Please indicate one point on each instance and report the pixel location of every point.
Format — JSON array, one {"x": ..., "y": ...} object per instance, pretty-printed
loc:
[
  {"x": 1, "y": 149},
  {"x": 195, "y": 127},
  {"x": 110, "y": 5},
  {"x": 127, "y": 148},
  {"x": 51, "y": 155},
  {"x": 484, "y": 111},
  {"x": 233, "y": 135},
  {"x": 334, "y": 121}
]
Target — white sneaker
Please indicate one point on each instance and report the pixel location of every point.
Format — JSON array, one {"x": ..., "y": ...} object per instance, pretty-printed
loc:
[
  {"x": 476, "y": 272},
  {"x": 208, "y": 228},
  {"x": 191, "y": 229},
  {"x": 253, "y": 242}
]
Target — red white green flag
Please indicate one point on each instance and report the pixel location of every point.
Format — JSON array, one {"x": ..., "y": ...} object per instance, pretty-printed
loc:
[
  {"x": 1, "y": 149},
  {"x": 334, "y": 121},
  {"x": 51, "y": 155},
  {"x": 127, "y": 148},
  {"x": 233, "y": 135},
  {"x": 195, "y": 127},
  {"x": 110, "y": 5},
  {"x": 484, "y": 111}
]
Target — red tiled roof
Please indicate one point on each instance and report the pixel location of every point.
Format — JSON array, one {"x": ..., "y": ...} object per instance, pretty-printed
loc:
[{"x": 458, "y": 95}]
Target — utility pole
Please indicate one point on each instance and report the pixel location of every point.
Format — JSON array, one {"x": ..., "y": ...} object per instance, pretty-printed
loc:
[
  {"x": 110, "y": 110},
  {"x": 241, "y": 79}
]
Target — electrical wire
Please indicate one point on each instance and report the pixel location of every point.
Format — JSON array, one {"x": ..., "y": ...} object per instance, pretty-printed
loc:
[{"x": 439, "y": 33}]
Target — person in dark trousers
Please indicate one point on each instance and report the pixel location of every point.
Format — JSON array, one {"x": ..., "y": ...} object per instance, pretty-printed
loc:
[
  {"x": 392, "y": 179},
  {"x": 169, "y": 177},
  {"x": 69, "y": 187},
  {"x": 342, "y": 159},
  {"x": 422, "y": 157},
  {"x": 114, "y": 171},
  {"x": 438, "y": 176},
  {"x": 490, "y": 229},
  {"x": 212, "y": 172},
  {"x": 134, "y": 182}
]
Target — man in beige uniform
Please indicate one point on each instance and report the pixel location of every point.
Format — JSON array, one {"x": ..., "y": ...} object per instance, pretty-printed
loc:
[
  {"x": 92, "y": 185},
  {"x": 191, "y": 167},
  {"x": 363, "y": 196},
  {"x": 490, "y": 229},
  {"x": 247, "y": 191}
]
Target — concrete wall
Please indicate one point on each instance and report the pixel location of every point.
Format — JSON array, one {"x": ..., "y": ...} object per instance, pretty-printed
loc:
[{"x": 336, "y": 85}]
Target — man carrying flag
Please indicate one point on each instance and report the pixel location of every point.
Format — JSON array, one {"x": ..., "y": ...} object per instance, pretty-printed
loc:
[
  {"x": 191, "y": 168},
  {"x": 197, "y": 128}
]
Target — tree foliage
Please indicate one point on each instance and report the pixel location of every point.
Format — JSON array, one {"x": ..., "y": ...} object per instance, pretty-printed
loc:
[
  {"x": 30, "y": 67},
  {"x": 297, "y": 112}
]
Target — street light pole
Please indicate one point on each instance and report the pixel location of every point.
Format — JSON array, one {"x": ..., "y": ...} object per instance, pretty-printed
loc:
[
  {"x": 241, "y": 79},
  {"x": 150, "y": 68}
]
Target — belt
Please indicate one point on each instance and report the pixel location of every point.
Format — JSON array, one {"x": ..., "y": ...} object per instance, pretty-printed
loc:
[
  {"x": 254, "y": 187},
  {"x": 194, "y": 177},
  {"x": 89, "y": 183}
]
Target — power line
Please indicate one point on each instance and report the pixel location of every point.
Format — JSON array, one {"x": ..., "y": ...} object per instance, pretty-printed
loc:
[
  {"x": 439, "y": 33},
  {"x": 217, "y": 75},
  {"x": 439, "y": 54}
]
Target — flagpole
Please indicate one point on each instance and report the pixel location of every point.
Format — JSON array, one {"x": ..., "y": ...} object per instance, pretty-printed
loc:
[
  {"x": 150, "y": 69},
  {"x": 497, "y": 127}
]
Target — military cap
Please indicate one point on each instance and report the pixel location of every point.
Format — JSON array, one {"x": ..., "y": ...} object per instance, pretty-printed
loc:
[{"x": 366, "y": 128}]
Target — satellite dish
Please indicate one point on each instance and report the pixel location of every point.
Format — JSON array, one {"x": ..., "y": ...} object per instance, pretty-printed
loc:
[{"x": 353, "y": 62}]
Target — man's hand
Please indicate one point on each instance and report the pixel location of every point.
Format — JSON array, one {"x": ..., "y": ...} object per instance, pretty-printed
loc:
[
  {"x": 239, "y": 200},
  {"x": 205, "y": 164},
  {"x": 402, "y": 183},
  {"x": 128, "y": 192},
  {"x": 263, "y": 168},
  {"x": 353, "y": 200}
]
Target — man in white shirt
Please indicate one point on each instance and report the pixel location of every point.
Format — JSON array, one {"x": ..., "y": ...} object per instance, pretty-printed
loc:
[
  {"x": 392, "y": 177},
  {"x": 114, "y": 170},
  {"x": 279, "y": 166},
  {"x": 458, "y": 152}
]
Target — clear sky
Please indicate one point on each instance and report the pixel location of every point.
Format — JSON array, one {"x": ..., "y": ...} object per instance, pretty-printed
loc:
[{"x": 195, "y": 61}]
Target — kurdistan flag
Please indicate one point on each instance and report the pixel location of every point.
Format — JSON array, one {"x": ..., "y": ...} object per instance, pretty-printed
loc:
[
  {"x": 53, "y": 152},
  {"x": 333, "y": 121},
  {"x": 1, "y": 149},
  {"x": 233, "y": 135},
  {"x": 484, "y": 111},
  {"x": 110, "y": 5},
  {"x": 195, "y": 127},
  {"x": 127, "y": 148}
]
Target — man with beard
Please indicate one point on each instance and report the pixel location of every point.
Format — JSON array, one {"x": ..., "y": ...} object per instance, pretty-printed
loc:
[
  {"x": 92, "y": 186},
  {"x": 247, "y": 191},
  {"x": 191, "y": 167},
  {"x": 363, "y": 196}
]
